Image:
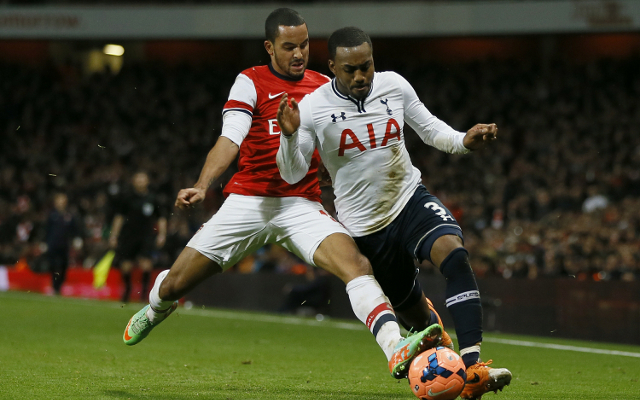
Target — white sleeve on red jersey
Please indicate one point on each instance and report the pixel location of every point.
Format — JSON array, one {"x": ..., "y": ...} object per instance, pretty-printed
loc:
[
  {"x": 242, "y": 96},
  {"x": 433, "y": 131},
  {"x": 238, "y": 110},
  {"x": 235, "y": 126},
  {"x": 295, "y": 152}
]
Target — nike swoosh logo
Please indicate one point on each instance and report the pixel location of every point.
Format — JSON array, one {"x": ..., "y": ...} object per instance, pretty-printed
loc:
[
  {"x": 126, "y": 332},
  {"x": 432, "y": 394},
  {"x": 271, "y": 97}
]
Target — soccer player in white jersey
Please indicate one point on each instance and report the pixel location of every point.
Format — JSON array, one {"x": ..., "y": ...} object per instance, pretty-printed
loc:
[
  {"x": 356, "y": 123},
  {"x": 261, "y": 208}
]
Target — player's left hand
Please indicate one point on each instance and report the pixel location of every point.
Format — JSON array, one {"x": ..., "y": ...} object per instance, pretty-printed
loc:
[
  {"x": 288, "y": 116},
  {"x": 480, "y": 135}
]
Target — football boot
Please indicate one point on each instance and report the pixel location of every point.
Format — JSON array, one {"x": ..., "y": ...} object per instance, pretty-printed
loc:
[
  {"x": 408, "y": 348},
  {"x": 482, "y": 379},
  {"x": 139, "y": 325},
  {"x": 446, "y": 339}
]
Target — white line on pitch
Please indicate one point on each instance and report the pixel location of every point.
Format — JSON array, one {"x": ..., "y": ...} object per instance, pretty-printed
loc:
[
  {"x": 239, "y": 315},
  {"x": 356, "y": 326},
  {"x": 272, "y": 318},
  {"x": 561, "y": 347}
]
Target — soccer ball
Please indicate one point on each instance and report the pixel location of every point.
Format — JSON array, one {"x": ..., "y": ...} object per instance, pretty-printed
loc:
[{"x": 437, "y": 374}]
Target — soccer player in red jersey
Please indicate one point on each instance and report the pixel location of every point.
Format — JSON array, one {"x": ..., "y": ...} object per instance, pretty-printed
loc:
[{"x": 262, "y": 208}]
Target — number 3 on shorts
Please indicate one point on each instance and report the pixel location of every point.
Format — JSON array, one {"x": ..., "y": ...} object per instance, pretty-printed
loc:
[{"x": 441, "y": 212}]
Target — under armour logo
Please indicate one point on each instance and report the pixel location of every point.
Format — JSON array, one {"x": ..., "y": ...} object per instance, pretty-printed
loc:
[
  {"x": 334, "y": 118},
  {"x": 385, "y": 101}
]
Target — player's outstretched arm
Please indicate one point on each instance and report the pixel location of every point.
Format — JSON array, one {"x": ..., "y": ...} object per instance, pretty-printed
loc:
[
  {"x": 480, "y": 135},
  {"x": 431, "y": 130},
  {"x": 296, "y": 143},
  {"x": 218, "y": 160}
]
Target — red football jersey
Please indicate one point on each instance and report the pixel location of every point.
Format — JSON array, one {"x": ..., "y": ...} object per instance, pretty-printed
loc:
[{"x": 257, "y": 92}]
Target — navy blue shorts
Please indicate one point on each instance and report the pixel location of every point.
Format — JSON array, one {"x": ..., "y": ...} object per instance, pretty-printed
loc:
[{"x": 393, "y": 250}]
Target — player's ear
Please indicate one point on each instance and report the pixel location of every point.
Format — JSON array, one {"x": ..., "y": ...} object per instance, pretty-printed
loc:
[
  {"x": 332, "y": 66},
  {"x": 269, "y": 47}
]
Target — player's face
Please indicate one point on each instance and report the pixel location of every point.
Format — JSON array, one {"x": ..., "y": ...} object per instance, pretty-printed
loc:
[
  {"x": 290, "y": 52},
  {"x": 353, "y": 68}
]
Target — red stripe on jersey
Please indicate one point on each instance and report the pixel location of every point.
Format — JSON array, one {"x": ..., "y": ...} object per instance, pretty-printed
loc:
[
  {"x": 258, "y": 173},
  {"x": 235, "y": 104},
  {"x": 376, "y": 311}
]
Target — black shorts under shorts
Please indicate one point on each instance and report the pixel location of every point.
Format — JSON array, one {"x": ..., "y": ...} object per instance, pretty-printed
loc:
[{"x": 392, "y": 250}]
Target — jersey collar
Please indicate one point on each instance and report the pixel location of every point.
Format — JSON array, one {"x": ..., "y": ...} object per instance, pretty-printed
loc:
[
  {"x": 284, "y": 77},
  {"x": 358, "y": 103}
]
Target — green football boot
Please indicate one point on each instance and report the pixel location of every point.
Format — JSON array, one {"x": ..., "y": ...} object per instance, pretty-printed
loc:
[
  {"x": 408, "y": 348},
  {"x": 139, "y": 325}
]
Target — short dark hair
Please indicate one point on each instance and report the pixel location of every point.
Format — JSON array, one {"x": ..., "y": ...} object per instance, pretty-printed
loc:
[
  {"x": 281, "y": 17},
  {"x": 347, "y": 37}
]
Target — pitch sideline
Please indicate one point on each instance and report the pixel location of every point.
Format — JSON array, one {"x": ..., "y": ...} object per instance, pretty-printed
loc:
[
  {"x": 241, "y": 315},
  {"x": 356, "y": 326}
]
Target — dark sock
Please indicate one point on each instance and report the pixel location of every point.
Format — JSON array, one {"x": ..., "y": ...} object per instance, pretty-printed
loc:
[
  {"x": 463, "y": 298},
  {"x": 126, "y": 278},
  {"x": 470, "y": 358},
  {"x": 144, "y": 294},
  {"x": 434, "y": 318}
]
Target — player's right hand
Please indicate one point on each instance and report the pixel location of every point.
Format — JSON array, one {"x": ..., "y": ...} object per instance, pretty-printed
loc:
[
  {"x": 288, "y": 116},
  {"x": 187, "y": 198}
]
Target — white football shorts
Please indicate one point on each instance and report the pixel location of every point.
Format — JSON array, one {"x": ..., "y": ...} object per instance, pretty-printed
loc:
[{"x": 246, "y": 223}]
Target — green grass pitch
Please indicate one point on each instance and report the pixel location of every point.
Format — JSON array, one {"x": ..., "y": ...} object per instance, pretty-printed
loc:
[{"x": 59, "y": 348}]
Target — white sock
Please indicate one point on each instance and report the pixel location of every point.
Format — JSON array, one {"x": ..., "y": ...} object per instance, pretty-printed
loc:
[
  {"x": 470, "y": 349},
  {"x": 158, "y": 306},
  {"x": 372, "y": 307}
]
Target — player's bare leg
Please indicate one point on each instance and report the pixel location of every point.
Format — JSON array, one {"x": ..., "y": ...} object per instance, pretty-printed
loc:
[
  {"x": 339, "y": 255},
  {"x": 463, "y": 302},
  {"x": 187, "y": 272},
  {"x": 416, "y": 317}
]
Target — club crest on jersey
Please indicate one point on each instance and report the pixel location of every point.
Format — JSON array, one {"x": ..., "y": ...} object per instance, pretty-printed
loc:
[
  {"x": 334, "y": 118},
  {"x": 385, "y": 101}
]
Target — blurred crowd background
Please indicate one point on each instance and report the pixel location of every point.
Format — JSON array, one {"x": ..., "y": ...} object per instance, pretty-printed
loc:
[{"x": 558, "y": 195}]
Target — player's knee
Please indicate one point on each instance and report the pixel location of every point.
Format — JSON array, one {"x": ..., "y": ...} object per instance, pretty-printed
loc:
[
  {"x": 443, "y": 247},
  {"x": 456, "y": 263},
  {"x": 364, "y": 266},
  {"x": 359, "y": 266}
]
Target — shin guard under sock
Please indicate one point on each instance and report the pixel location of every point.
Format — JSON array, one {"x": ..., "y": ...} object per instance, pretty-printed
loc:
[
  {"x": 463, "y": 300},
  {"x": 158, "y": 307},
  {"x": 372, "y": 307},
  {"x": 154, "y": 296}
]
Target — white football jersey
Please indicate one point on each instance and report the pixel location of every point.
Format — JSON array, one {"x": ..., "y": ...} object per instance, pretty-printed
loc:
[{"x": 361, "y": 143}]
